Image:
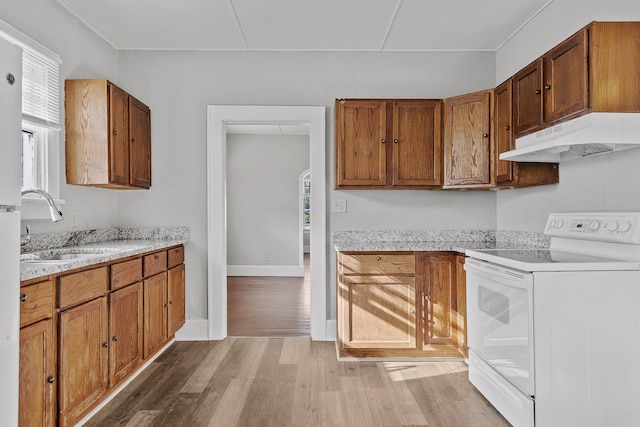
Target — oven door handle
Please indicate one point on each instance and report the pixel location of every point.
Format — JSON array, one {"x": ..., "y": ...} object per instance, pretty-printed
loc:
[{"x": 498, "y": 274}]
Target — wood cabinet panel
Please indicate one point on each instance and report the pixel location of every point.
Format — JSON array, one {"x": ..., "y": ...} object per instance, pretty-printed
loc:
[
  {"x": 37, "y": 386},
  {"x": 417, "y": 143},
  {"x": 527, "y": 97},
  {"x": 440, "y": 300},
  {"x": 361, "y": 151},
  {"x": 175, "y": 256},
  {"x": 377, "y": 264},
  {"x": 380, "y": 312},
  {"x": 155, "y": 313},
  {"x": 503, "y": 133},
  {"x": 154, "y": 263},
  {"x": 467, "y": 143},
  {"x": 83, "y": 368},
  {"x": 175, "y": 299},
  {"x": 126, "y": 273},
  {"x": 461, "y": 305},
  {"x": 125, "y": 329},
  {"x": 36, "y": 302},
  {"x": 140, "y": 144},
  {"x": 79, "y": 287},
  {"x": 118, "y": 135}
]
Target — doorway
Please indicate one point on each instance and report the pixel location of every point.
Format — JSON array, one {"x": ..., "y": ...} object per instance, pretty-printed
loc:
[{"x": 218, "y": 118}]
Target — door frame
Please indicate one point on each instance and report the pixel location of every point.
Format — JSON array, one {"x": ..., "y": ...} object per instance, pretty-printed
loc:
[{"x": 218, "y": 116}]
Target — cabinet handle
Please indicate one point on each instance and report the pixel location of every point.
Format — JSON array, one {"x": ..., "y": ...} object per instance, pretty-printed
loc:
[
  {"x": 379, "y": 258},
  {"x": 170, "y": 302},
  {"x": 133, "y": 140},
  {"x": 507, "y": 127},
  {"x": 115, "y": 132},
  {"x": 413, "y": 312},
  {"x": 50, "y": 380},
  {"x": 485, "y": 135},
  {"x": 427, "y": 297},
  {"x": 115, "y": 338},
  {"x": 538, "y": 92},
  {"x": 157, "y": 256},
  {"x": 395, "y": 141},
  {"x": 105, "y": 344},
  {"x": 23, "y": 297},
  {"x": 547, "y": 87},
  {"x": 384, "y": 141}
]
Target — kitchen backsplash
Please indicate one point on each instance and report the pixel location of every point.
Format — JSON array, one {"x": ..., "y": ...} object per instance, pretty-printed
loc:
[{"x": 42, "y": 241}]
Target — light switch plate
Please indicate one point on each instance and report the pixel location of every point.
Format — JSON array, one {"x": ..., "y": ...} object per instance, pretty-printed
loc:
[{"x": 338, "y": 205}]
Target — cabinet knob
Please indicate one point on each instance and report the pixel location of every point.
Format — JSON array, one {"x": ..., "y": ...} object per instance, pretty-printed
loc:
[
  {"x": 115, "y": 132},
  {"x": 115, "y": 338},
  {"x": 50, "y": 380},
  {"x": 427, "y": 297},
  {"x": 413, "y": 312},
  {"x": 105, "y": 344},
  {"x": 23, "y": 297},
  {"x": 538, "y": 92},
  {"x": 133, "y": 140},
  {"x": 507, "y": 127},
  {"x": 379, "y": 258},
  {"x": 384, "y": 141},
  {"x": 485, "y": 135},
  {"x": 170, "y": 302},
  {"x": 157, "y": 257},
  {"x": 395, "y": 141},
  {"x": 547, "y": 87}
]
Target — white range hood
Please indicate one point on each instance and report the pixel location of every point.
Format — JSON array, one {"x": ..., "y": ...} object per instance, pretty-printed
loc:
[{"x": 588, "y": 135}]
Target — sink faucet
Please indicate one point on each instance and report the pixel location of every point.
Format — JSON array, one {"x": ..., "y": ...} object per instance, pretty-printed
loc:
[{"x": 56, "y": 215}]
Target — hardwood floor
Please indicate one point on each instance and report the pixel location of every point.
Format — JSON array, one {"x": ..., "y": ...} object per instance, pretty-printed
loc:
[
  {"x": 293, "y": 382},
  {"x": 269, "y": 306}
]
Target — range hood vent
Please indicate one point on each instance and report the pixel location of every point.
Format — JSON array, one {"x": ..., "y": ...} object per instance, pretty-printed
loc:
[{"x": 585, "y": 136}]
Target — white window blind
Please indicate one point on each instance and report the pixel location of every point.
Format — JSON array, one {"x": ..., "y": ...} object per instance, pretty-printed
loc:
[{"x": 40, "y": 88}]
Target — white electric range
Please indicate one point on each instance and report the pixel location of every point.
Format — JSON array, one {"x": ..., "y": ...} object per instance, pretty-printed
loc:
[{"x": 554, "y": 334}]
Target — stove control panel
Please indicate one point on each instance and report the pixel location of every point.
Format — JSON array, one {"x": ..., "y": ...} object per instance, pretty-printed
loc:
[{"x": 619, "y": 227}]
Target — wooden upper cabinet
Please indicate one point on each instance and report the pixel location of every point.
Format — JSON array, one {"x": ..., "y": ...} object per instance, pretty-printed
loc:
[
  {"x": 527, "y": 97},
  {"x": 387, "y": 143},
  {"x": 467, "y": 142},
  {"x": 416, "y": 143},
  {"x": 108, "y": 140},
  {"x": 361, "y": 153}
]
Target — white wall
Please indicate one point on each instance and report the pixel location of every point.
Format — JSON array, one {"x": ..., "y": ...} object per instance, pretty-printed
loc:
[
  {"x": 603, "y": 183},
  {"x": 263, "y": 198},
  {"x": 84, "y": 55},
  {"x": 179, "y": 85}
]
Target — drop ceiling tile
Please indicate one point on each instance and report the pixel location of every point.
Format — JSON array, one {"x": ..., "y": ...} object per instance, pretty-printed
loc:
[
  {"x": 458, "y": 24},
  {"x": 314, "y": 25},
  {"x": 161, "y": 24}
]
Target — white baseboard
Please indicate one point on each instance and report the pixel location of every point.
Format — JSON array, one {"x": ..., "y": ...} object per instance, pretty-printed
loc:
[
  {"x": 193, "y": 330},
  {"x": 266, "y": 270},
  {"x": 331, "y": 330}
]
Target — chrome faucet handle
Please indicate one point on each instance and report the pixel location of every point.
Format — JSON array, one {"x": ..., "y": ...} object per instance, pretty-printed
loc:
[{"x": 27, "y": 237}]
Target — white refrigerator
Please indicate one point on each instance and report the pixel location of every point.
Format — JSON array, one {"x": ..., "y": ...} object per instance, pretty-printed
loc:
[{"x": 10, "y": 179}]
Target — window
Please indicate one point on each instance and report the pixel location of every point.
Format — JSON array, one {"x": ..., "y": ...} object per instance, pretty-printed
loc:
[{"x": 40, "y": 114}]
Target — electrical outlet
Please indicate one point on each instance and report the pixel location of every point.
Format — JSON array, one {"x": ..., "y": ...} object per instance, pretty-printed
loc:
[
  {"x": 338, "y": 205},
  {"x": 73, "y": 219}
]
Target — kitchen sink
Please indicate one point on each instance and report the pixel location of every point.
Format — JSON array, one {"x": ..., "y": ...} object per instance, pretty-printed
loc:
[{"x": 61, "y": 256}]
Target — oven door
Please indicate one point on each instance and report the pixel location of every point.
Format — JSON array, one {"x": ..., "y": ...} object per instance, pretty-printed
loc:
[{"x": 500, "y": 320}]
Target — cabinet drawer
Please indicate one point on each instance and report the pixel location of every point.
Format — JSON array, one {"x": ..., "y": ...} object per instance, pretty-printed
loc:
[
  {"x": 83, "y": 286},
  {"x": 176, "y": 256},
  {"x": 126, "y": 273},
  {"x": 155, "y": 263},
  {"x": 378, "y": 264},
  {"x": 36, "y": 302}
]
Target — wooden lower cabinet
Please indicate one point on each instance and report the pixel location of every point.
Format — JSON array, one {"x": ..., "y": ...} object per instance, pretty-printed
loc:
[
  {"x": 83, "y": 368},
  {"x": 399, "y": 304},
  {"x": 461, "y": 314},
  {"x": 38, "y": 374},
  {"x": 155, "y": 313},
  {"x": 175, "y": 299},
  {"x": 125, "y": 331}
]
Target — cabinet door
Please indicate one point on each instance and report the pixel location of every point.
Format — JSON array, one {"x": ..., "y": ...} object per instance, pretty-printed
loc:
[
  {"x": 461, "y": 305},
  {"x": 83, "y": 349},
  {"x": 140, "y": 147},
  {"x": 527, "y": 98},
  {"x": 467, "y": 145},
  {"x": 440, "y": 300},
  {"x": 118, "y": 136},
  {"x": 503, "y": 134},
  {"x": 37, "y": 374},
  {"x": 566, "y": 78},
  {"x": 125, "y": 329},
  {"x": 416, "y": 143},
  {"x": 361, "y": 150},
  {"x": 378, "y": 312},
  {"x": 176, "y": 299},
  {"x": 155, "y": 313}
]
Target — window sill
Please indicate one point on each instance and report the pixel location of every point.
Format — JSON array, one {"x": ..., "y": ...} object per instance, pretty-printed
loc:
[{"x": 37, "y": 208}]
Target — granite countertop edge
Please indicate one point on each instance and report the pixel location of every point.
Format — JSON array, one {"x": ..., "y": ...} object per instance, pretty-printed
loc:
[
  {"x": 96, "y": 253},
  {"x": 427, "y": 246}
]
